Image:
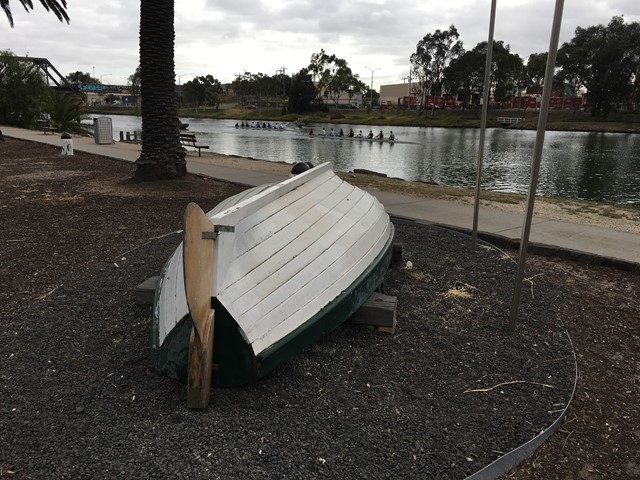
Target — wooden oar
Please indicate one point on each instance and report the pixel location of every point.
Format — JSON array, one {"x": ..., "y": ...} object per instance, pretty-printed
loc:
[{"x": 198, "y": 281}]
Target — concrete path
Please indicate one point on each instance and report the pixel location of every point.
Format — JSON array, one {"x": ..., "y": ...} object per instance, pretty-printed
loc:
[{"x": 614, "y": 246}]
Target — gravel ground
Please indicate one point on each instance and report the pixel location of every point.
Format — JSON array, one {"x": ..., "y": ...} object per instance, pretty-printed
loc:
[{"x": 79, "y": 399}]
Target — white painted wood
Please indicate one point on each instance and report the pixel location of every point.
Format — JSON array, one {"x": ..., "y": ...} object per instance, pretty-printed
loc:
[
  {"x": 309, "y": 297},
  {"x": 172, "y": 303},
  {"x": 319, "y": 251},
  {"x": 271, "y": 199},
  {"x": 254, "y": 265},
  {"x": 321, "y": 299},
  {"x": 294, "y": 248},
  {"x": 255, "y": 242}
]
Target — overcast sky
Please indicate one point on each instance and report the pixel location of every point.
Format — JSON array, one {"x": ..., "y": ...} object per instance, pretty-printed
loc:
[{"x": 227, "y": 37}]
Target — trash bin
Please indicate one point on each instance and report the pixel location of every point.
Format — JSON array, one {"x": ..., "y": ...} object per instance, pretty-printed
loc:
[
  {"x": 67, "y": 144},
  {"x": 103, "y": 130}
]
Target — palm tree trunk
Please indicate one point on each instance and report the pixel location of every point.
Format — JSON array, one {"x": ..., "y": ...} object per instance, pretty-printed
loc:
[{"x": 162, "y": 155}]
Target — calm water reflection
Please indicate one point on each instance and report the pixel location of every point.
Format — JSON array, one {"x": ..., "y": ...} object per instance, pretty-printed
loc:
[{"x": 593, "y": 166}]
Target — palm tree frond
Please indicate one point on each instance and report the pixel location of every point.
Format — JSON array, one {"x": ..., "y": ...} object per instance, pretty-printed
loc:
[
  {"x": 7, "y": 11},
  {"x": 58, "y": 7}
]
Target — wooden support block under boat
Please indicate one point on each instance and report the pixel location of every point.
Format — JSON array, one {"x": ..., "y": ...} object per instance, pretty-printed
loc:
[
  {"x": 396, "y": 256},
  {"x": 146, "y": 291},
  {"x": 378, "y": 311},
  {"x": 198, "y": 274}
]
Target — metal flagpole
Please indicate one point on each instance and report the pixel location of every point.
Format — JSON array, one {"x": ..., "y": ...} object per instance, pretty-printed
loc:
[
  {"x": 537, "y": 156},
  {"x": 483, "y": 121}
]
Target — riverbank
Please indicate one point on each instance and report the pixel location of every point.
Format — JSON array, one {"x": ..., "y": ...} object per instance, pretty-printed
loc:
[
  {"x": 615, "y": 217},
  {"x": 558, "y": 120}
]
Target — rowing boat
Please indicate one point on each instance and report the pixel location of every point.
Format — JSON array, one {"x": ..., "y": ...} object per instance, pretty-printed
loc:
[
  {"x": 281, "y": 266},
  {"x": 359, "y": 139}
]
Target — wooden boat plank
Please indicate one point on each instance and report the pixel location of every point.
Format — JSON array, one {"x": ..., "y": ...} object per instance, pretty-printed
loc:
[
  {"x": 252, "y": 242},
  {"x": 309, "y": 262},
  {"x": 269, "y": 337},
  {"x": 172, "y": 303},
  {"x": 257, "y": 264},
  {"x": 318, "y": 183},
  {"x": 234, "y": 215},
  {"x": 308, "y": 282}
]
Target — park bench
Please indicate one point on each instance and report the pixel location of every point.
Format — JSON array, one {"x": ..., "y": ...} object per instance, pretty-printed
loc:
[
  {"x": 506, "y": 121},
  {"x": 189, "y": 140},
  {"x": 46, "y": 127}
]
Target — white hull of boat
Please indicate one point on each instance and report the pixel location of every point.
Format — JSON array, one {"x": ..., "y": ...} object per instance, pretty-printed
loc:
[{"x": 283, "y": 253}]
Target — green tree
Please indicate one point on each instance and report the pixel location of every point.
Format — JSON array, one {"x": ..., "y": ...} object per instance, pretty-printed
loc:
[
  {"x": 110, "y": 98},
  {"x": 80, "y": 77},
  {"x": 464, "y": 76},
  {"x": 134, "y": 83},
  {"x": 302, "y": 92},
  {"x": 317, "y": 65},
  {"x": 356, "y": 86},
  {"x": 507, "y": 71},
  {"x": 340, "y": 80},
  {"x": 605, "y": 60},
  {"x": 162, "y": 155},
  {"x": 58, "y": 8},
  {"x": 65, "y": 112},
  {"x": 23, "y": 91},
  {"x": 203, "y": 91},
  {"x": 433, "y": 53},
  {"x": 536, "y": 67}
]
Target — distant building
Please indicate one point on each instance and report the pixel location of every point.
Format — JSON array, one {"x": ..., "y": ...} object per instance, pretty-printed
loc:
[{"x": 397, "y": 94}]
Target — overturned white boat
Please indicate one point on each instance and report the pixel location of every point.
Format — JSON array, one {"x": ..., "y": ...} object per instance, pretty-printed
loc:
[{"x": 288, "y": 263}]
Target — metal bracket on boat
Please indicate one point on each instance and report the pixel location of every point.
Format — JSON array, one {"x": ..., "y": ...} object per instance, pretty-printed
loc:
[{"x": 217, "y": 229}]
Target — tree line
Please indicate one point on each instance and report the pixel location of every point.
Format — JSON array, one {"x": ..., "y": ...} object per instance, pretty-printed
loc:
[{"x": 604, "y": 60}]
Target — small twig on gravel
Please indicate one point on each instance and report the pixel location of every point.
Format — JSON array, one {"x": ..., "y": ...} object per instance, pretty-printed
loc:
[
  {"x": 147, "y": 243},
  {"x": 565, "y": 440},
  {"x": 530, "y": 280},
  {"x": 16, "y": 240},
  {"x": 42, "y": 297},
  {"x": 471, "y": 390},
  {"x": 470, "y": 287}
]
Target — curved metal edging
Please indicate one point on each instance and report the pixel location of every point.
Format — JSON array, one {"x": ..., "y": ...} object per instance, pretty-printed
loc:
[{"x": 515, "y": 457}]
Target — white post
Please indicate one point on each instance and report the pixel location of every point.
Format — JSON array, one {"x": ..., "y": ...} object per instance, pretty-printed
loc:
[{"x": 67, "y": 146}]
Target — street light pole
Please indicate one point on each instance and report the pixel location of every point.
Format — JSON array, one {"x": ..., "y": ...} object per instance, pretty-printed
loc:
[
  {"x": 371, "y": 89},
  {"x": 180, "y": 86},
  {"x": 104, "y": 75}
]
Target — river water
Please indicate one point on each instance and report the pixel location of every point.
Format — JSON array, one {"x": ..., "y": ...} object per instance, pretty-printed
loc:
[{"x": 590, "y": 166}]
